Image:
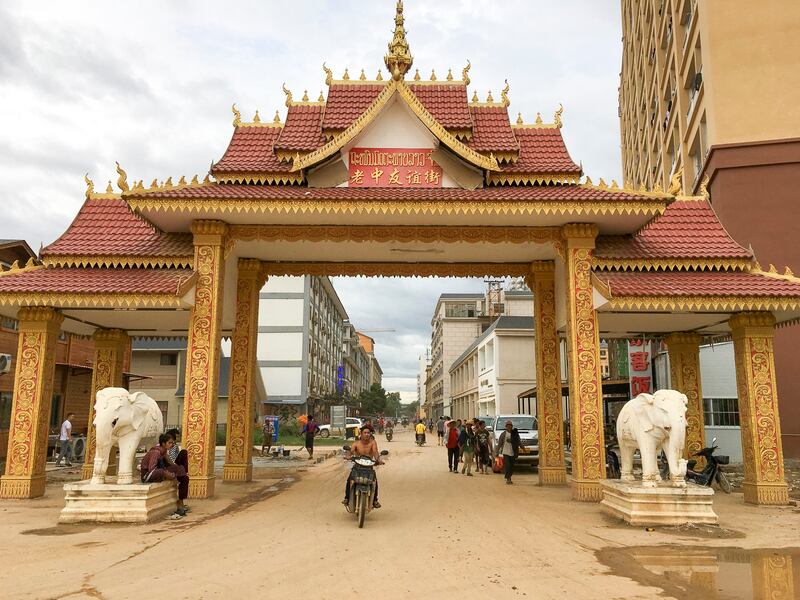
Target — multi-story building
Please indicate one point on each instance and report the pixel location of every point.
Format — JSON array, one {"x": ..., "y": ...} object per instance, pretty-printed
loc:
[
  {"x": 423, "y": 367},
  {"x": 491, "y": 373},
  {"x": 375, "y": 371},
  {"x": 356, "y": 361},
  {"x": 713, "y": 88},
  {"x": 460, "y": 318}
]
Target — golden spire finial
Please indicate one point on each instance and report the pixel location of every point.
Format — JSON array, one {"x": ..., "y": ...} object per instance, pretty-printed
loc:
[
  {"x": 657, "y": 188},
  {"x": 433, "y": 75},
  {"x": 601, "y": 183},
  {"x": 475, "y": 96},
  {"x": 237, "y": 116},
  {"x": 504, "y": 94},
  {"x": 449, "y": 74},
  {"x": 464, "y": 73},
  {"x": 256, "y": 117},
  {"x": 416, "y": 75},
  {"x": 772, "y": 268},
  {"x": 363, "y": 76},
  {"x": 207, "y": 179},
  {"x": 379, "y": 76},
  {"x": 305, "y": 95},
  {"x": 346, "y": 74},
  {"x": 277, "y": 118},
  {"x": 168, "y": 183},
  {"x": 675, "y": 184},
  {"x": 195, "y": 180},
  {"x": 109, "y": 188},
  {"x": 539, "y": 118},
  {"x": 489, "y": 98},
  {"x": 321, "y": 97},
  {"x": 614, "y": 184},
  {"x": 182, "y": 180},
  {"x": 154, "y": 184},
  {"x": 399, "y": 59},
  {"x": 122, "y": 182},
  {"x": 89, "y": 186},
  {"x": 328, "y": 74},
  {"x": 557, "y": 116},
  {"x": 519, "y": 119},
  {"x": 288, "y": 95},
  {"x": 788, "y": 272},
  {"x": 704, "y": 188},
  {"x": 588, "y": 181}
]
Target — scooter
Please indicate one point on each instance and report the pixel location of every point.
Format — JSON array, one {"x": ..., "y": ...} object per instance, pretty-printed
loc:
[
  {"x": 389, "y": 433},
  {"x": 420, "y": 439},
  {"x": 362, "y": 487},
  {"x": 711, "y": 473}
]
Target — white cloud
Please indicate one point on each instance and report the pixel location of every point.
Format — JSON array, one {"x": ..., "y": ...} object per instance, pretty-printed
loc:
[{"x": 85, "y": 83}]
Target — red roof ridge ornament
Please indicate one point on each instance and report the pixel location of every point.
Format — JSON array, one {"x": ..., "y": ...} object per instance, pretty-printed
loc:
[
  {"x": 399, "y": 59},
  {"x": 676, "y": 183},
  {"x": 237, "y": 116}
]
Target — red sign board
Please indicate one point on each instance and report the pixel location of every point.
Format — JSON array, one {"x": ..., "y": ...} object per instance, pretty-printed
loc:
[
  {"x": 394, "y": 167},
  {"x": 640, "y": 367}
]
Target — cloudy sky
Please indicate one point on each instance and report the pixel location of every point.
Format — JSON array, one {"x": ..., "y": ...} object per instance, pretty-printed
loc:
[{"x": 150, "y": 84}]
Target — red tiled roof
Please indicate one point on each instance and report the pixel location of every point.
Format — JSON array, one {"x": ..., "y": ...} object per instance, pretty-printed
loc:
[
  {"x": 492, "y": 130},
  {"x": 96, "y": 281},
  {"x": 542, "y": 150},
  {"x": 447, "y": 103},
  {"x": 303, "y": 129},
  {"x": 251, "y": 151},
  {"x": 107, "y": 226},
  {"x": 551, "y": 193},
  {"x": 696, "y": 283},
  {"x": 687, "y": 229},
  {"x": 346, "y": 102}
]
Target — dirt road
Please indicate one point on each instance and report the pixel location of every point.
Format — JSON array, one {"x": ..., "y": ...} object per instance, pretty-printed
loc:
[{"x": 438, "y": 534}]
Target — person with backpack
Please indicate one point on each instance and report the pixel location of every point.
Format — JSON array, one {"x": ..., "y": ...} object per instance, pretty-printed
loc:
[
  {"x": 508, "y": 446},
  {"x": 466, "y": 443},
  {"x": 310, "y": 429}
]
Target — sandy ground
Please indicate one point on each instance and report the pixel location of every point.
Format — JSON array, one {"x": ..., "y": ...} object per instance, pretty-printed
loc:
[{"x": 286, "y": 534}]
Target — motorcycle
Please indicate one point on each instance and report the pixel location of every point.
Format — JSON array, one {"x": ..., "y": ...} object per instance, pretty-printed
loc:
[
  {"x": 420, "y": 439},
  {"x": 362, "y": 487},
  {"x": 389, "y": 434},
  {"x": 711, "y": 473}
]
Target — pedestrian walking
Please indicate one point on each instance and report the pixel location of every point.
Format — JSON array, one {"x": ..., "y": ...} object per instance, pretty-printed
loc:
[
  {"x": 440, "y": 430},
  {"x": 484, "y": 448},
  {"x": 310, "y": 429},
  {"x": 508, "y": 444},
  {"x": 466, "y": 442},
  {"x": 266, "y": 435},
  {"x": 452, "y": 447},
  {"x": 65, "y": 442}
]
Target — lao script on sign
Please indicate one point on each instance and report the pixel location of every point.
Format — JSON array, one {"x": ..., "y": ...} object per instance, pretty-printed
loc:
[{"x": 394, "y": 167}]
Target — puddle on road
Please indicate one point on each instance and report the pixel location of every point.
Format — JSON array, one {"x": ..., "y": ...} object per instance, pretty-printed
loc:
[{"x": 710, "y": 573}]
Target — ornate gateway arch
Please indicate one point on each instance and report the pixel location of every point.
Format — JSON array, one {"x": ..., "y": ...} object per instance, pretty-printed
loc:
[{"x": 398, "y": 177}]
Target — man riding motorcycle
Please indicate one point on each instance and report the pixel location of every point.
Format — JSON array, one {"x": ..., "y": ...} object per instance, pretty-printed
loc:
[{"x": 365, "y": 445}]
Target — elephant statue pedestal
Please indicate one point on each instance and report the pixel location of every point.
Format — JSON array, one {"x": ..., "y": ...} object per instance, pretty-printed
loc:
[
  {"x": 118, "y": 503},
  {"x": 663, "y": 504}
]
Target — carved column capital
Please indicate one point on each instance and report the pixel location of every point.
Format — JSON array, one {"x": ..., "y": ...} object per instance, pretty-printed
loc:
[
  {"x": 752, "y": 323},
  {"x": 209, "y": 232},
  {"x": 580, "y": 235}
]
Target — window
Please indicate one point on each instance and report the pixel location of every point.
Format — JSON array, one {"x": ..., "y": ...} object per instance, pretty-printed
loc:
[
  {"x": 169, "y": 359},
  {"x": 5, "y": 411},
  {"x": 9, "y": 323},
  {"x": 721, "y": 412}
]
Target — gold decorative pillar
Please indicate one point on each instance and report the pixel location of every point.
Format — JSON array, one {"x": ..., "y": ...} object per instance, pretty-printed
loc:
[
  {"x": 585, "y": 383},
  {"x": 241, "y": 397},
  {"x": 109, "y": 355},
  {"x": 764, "y": 481},
  {"x": 772, "y": 576},
  {"x": 684, "y": 365},
  {"x": 202, "y": 356},
  {"x": 33, "y": 396},
  {"x": 552, "y": 468}
]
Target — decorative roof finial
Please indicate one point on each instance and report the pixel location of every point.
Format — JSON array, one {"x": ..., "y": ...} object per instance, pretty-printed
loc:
[
  {"x": 475, "y": 96},
  {"x": 89, "y": 186},
  {"x": 363, "y": 76},
  {"x": 539, "y": 118},
  {"x": 417, "y": 76},
  {"x": 328, "y": 74},
  {"x": 557, "y": 116},
  {"x": 346, "y": 74},
  {"x": 256, "y": 117},
  {"x": 288, "y": 95},
  {"x": 504, "y": 94},
  {"x": 237, "y": 116},
  {"x": 433, "y": 75},
  {"x": 399, "y": 59},
  {"x": 519, "y": 119},
  {"x": 321, "y": 97},
  {"x": 305, "y": 95},
  {"x": 449, "y": 74},
  {"x": 277, "y": 118},
  {"x": 489, "y": 98},
  {"x": 675, "y": 184},
  {"x": 379, "y": 76},
  {"x": 109, "y": 188},
  {"x": 122, "y": 182},
  {"x": 704, "y": 188},
  {"x": 464, "y": 73}
]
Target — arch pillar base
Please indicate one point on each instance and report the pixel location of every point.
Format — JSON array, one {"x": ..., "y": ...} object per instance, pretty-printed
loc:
[
  {"x": 231, "y": 472},
  {"x": 552, "y": 475},
  {"x": 587, "y": 491}
]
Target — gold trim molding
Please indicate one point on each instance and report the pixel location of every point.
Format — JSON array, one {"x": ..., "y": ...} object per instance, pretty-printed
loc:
[
  {"x": 672, "y": 264},
  {"x": 703, "y": 303},
  {"x": 253, "y": 178},
  {"x": 387, "y": 269},
  {"x": 118, "y": 261},
  {"x": 511, "y": 178},
  {"x": 92, "y": 300}
]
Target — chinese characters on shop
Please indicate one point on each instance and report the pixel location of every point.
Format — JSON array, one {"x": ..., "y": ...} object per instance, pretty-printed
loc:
[{"x": 394, "y": 167}]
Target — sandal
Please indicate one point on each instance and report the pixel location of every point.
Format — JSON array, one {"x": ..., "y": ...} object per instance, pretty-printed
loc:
[{"x": 175, "y": 516}]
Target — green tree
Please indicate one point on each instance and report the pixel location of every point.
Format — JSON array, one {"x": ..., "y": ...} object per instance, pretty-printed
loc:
[
  {"x": 393, "y": 403},
  {"x": 410, "y": 409},
  {"x": 373, "y": 400}
]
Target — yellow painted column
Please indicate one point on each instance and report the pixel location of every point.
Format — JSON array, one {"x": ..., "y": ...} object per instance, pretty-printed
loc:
[
  {"x": 585, "y": 383},
  {"x": 684, "y": 365},
  {"x": 109, "y": 355},
  {"x": 241, "y": 397},
  {"x": 552, "y": 468},
  {"x": 33, "y": 395},
  {"x": 772, "y": 576},
  {"x": 753, "y": 335},
  {"x": 202, "y": 356}
]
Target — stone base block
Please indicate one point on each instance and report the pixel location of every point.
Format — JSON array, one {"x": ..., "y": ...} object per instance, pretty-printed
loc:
[
  {"x": 662, "y": 505},
  {"x": 113, "y": 503}
]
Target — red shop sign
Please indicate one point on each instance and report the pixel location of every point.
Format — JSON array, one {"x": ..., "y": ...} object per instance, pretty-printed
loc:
[{"x": 394, "y": 167}]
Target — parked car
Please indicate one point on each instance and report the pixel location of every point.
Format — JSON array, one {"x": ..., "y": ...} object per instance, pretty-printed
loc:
[
  {"x": 528, "y": 428},
  {"x": 325, "y": 430}
]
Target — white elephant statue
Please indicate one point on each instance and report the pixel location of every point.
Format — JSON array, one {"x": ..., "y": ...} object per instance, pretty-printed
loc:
[
  {"x": 652, "y": 422},
  {"x": 125, "y": 420}
]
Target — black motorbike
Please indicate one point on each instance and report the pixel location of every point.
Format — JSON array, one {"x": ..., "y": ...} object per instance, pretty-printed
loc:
[
  {"x": 711, "y": 473},
  {"x": 362, "y": 485},
  {"x": 389, "y": 433}
]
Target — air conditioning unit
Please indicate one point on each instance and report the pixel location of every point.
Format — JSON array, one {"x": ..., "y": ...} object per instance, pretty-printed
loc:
[{"x": 5, "y": 363}]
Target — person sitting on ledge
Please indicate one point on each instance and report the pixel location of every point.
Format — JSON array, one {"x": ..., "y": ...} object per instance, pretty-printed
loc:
[
  {"x": 157, "y": 467},
  {"x": 177, "y": 455}
]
